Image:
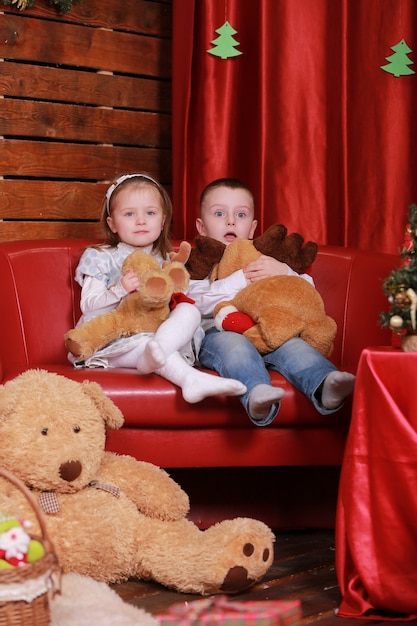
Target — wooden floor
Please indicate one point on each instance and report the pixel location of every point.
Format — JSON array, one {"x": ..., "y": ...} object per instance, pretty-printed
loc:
[{"x": 303, "y": 569}]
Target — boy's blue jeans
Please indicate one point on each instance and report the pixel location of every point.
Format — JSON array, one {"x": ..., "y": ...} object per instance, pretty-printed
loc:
[{"x": 233, "y": 356}]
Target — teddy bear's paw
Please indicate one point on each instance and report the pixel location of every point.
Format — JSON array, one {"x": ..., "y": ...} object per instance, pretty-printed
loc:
[
  {"x": 229, "y": 318},
  {"x": 155, "y": 291},
  {"x": 178, "y": 274},
  {"x": 73, "y": 346},
  {"x": 237, "y": 579},
  {"x": 155, "y": 286},
  {"x": 257, "y": 559},
  {"x": 79, "y": 348},
  {"x": 245, "y": 557}
]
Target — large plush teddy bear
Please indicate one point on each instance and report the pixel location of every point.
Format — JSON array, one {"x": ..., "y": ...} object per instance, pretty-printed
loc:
[
  {"x": 272, "y": 310},
  {"x": 140, "y": 311},
  {"x": 112, "y": 517}
]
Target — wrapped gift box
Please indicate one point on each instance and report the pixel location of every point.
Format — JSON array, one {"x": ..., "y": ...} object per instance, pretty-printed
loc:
[{"x": 220, "y": 610}]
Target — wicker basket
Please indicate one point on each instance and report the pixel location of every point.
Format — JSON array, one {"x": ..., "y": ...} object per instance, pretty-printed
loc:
[{"x": 24, "y": 590}]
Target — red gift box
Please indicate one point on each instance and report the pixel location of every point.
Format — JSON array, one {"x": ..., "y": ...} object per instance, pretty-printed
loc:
[{"x": 219, "y": 610}]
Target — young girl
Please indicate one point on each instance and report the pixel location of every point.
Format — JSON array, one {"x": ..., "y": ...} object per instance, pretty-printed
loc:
[{"x": 137, "y": 213}]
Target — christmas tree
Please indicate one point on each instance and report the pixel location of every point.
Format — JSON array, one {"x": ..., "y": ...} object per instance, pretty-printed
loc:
[
  {"x": 401, "y": 285},
  {"x": 63, "y": 6},
  {"x": 399, "y": 62},
  {"x": 225, "y": 44}
]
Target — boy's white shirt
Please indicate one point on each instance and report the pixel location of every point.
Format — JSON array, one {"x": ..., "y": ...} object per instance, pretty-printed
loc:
[{"x": 207, "y": 295}]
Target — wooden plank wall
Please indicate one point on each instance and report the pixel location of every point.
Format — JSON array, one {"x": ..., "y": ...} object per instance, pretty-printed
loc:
[{"x": 84, "y": 97}]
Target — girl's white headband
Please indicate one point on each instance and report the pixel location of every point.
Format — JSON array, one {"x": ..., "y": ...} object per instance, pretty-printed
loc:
[{"x": 120, "y": 180}]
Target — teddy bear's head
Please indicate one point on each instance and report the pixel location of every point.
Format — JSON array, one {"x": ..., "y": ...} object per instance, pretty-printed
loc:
[
  {"x": 53, "y": 430},
  {"x": 158, "y": 284},
  {"x": 274, "y": 242},
  {"x": 238, "y": 253}
]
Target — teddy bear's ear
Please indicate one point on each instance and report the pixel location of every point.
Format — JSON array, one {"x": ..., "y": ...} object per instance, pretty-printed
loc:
[
  {"x": 289, "y": 249},
  {"x": 203, "y": 256},
  {"x": 183, "y": 253},
  {"x": 299, "y": 255},
  {"x": 111, "y": 414},
  {"x": 268, "y": 241},
  {"x": 5, "y": 403}
]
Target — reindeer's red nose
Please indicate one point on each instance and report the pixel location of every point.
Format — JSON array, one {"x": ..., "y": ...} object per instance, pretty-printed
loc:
[{"x": 70, "y": 470}]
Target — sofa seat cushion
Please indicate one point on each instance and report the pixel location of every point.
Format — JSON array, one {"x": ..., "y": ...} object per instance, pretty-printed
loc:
[{"x": 152, "y": 402}]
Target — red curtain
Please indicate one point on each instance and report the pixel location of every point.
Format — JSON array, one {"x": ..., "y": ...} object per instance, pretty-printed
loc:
[{"x": 305, "y": 116}]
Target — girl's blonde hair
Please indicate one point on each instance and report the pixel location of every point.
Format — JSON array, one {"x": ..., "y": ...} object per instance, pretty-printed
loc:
[{"x": 162, "y": 244}]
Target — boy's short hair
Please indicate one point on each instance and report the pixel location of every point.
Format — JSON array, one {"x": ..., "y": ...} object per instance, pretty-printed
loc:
[{"x": 232, "y": 183}]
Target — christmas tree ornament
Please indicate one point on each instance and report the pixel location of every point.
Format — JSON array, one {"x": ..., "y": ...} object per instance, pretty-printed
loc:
[
  {"x": 398, "y": 62},
  {"x": 62, "y": 6},
  {"x": 225, "y": 44},
  {"x": 396, "y": 322},
  {"x": 17, "y": 548},
  {"x": 400, "y": 287}
]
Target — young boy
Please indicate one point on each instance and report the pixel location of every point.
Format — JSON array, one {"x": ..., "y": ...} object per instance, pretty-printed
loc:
[{"x": 226, "y": 214}]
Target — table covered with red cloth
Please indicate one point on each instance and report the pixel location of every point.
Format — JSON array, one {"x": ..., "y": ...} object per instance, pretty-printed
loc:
[{"x": 376, "y": 526}]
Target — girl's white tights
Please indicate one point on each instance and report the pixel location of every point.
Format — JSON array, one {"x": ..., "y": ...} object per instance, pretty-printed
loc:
[
  {"x": 159, "y": 353},
  {"x": 172, "y": 335},
  {"x": 152, "y": 350}
]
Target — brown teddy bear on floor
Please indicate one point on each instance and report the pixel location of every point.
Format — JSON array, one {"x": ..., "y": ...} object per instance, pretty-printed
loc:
[
  {"x": 112, "y": 517},
  {"x": 140, "y": 311}
]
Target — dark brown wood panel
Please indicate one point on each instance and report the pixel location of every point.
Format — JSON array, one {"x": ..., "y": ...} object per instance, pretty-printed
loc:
[
  {"x": 65, "y": 85},
  {"x": 31, "y": 199},
  {"x": 48, "y": 230},
  {"x": 84, "y": 97},
  {"x": 81, "y": 161},
  {"x": 27, "y": 118},
  {"x": 26, "y": 39},
  {"x": 137, "y": 16}
]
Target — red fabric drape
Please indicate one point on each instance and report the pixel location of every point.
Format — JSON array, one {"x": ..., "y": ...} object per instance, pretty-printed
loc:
[
  {"x": 376, "y": 547},
  {"x": 305, "y": 115}
]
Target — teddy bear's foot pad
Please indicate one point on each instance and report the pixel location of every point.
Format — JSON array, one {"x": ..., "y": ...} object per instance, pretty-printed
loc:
[{"x": 237, "y": 578}]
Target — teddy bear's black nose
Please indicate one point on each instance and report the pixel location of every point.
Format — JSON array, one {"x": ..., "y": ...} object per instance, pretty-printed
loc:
[{"x": 70, "y": 470}]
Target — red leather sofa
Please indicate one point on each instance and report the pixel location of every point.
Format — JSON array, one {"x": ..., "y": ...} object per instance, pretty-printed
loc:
[{"x": 40, "y": 302}]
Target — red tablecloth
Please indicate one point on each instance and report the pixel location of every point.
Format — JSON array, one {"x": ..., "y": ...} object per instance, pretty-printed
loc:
[{"x": 376, "y": 527}]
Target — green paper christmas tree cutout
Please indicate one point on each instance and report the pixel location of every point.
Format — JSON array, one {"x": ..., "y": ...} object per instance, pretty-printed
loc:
[
  {"x": 225, "y": 44},
  {"x": 399, "y": 62}
]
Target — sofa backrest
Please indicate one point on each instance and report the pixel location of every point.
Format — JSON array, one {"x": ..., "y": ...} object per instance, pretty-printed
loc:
[
  {"x": 40, "y": 299},
  {"x": 350, "y": 282}
]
